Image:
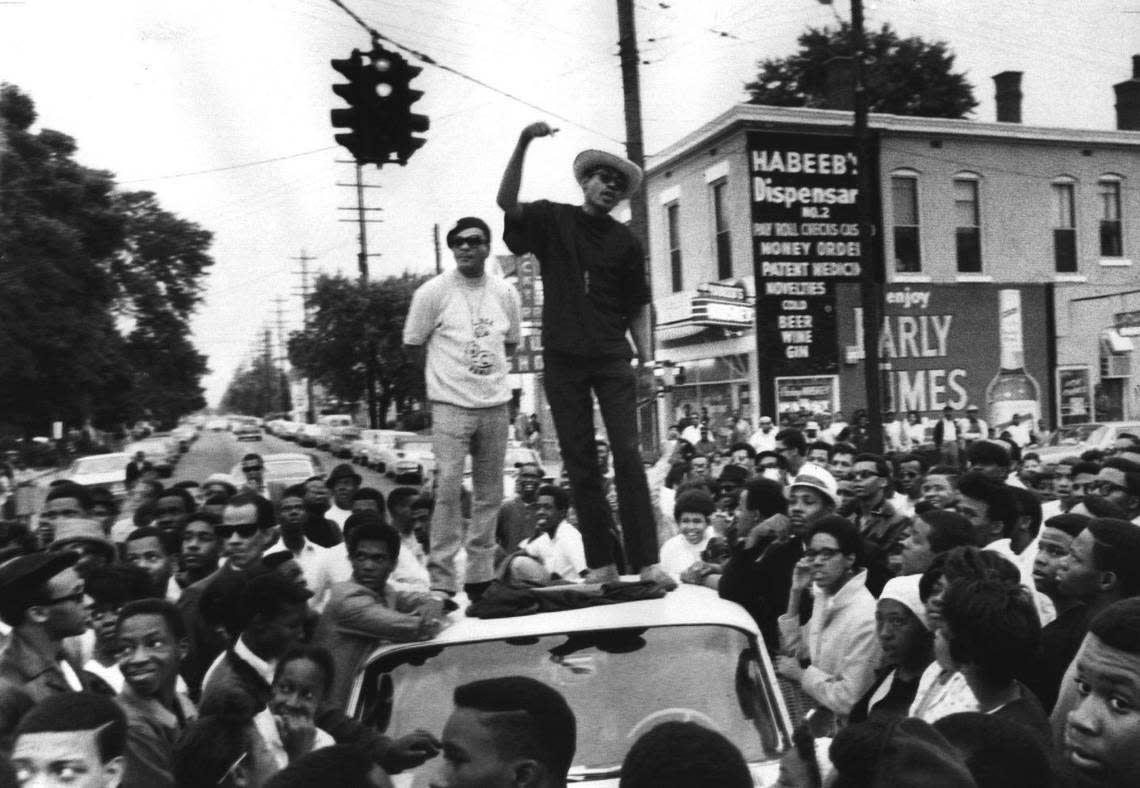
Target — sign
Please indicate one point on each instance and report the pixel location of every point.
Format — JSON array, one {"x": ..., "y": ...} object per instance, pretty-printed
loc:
[
  {"x": 805, "y": 397},
  {"x": 1074, "y": 395},
  {"x": 942, "y": 344},
  {"x": 806, "y": 239},
  {"x": 530, "y": 289},
  {"x": 528, "y": 355}
]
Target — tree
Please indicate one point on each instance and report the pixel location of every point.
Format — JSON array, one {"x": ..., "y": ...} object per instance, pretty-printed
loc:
[
  {"x": 904, "y": 76},
  {"x": 257, "y": 389},
  {"x": 347, "y": 318},
  {"x": 80, "y": 263}
]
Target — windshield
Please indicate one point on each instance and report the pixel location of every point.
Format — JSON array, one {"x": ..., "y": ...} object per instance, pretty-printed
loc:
[
  {"x": 101, "y": 464},
  {"x": 1070, "y": 436},
  {"x": 620, "y": 684},
  {"x": 288, "y": 469}
]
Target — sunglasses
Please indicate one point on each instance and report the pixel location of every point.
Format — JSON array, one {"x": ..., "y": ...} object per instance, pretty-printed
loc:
[
  {"x": 244, "y": 530},
  {"x": 252, "y": 468},
  {"x": 472, "y": 241}
]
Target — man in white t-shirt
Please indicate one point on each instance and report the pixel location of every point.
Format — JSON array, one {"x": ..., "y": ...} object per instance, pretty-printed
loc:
[
  {"x": 468, "y": 323},
  {"x": 556, "y": 544}
]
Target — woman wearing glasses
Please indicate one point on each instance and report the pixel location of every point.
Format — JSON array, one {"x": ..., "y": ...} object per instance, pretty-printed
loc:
[{"x": 839, "y": 639}]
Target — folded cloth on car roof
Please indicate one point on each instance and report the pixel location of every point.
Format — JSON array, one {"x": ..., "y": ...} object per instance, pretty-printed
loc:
[{"x": 501, "y": 600}]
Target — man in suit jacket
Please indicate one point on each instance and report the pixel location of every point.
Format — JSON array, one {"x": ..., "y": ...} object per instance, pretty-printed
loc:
[
  {"x": 365, "y": 611},
  {"x": 43, "y": 599}
]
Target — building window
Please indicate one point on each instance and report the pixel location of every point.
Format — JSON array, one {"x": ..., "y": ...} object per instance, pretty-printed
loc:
[
  {"x": 720, "y": 228},
  {"x": 904, "y": 199},
  {"x": 1111, "y": 232},
  {"x": 673, "y": 220},
  {"x": 968, "y": 230},
  {"x": 1064, "y": 227}
]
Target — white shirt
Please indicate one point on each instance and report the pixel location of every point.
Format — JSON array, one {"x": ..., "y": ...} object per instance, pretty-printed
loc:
[
  {"x": 678, "y": 553},
  {"x": 241, "y": 650},
  {"x": 1046, "y": 611},
  {"x": 563, "y": 555},
  {"x": 338, "y": 515},
  {"x": 949, "y": 430},
  {"x": 411, "y": 566},
  {"x": 764, "y": 441},
  {"x": 466, "y": 324}
]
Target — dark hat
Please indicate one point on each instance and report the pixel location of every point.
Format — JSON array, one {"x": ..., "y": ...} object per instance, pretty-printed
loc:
[
  {"x": 29, "y": 571},
  {"x": 73, "y": 530},
  {"x": 466, "y": 223},
  {"x": 343, "y": 471}
]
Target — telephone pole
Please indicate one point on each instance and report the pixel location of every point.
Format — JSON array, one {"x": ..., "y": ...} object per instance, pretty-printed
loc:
[
  {"x": 362, "y": 264},
  {"x": 310, "y": 410},
  {"x": 282, "y": 359},
  {"x": 635, "y": 151},
  {"x": 435, "y": 239}
]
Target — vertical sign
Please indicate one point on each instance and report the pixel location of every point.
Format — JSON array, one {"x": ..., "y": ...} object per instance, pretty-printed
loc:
[
  {"x": 806, "y": 238},
  {"x": 1074, "y": 395},
  {"x": 528, "y": 355}
]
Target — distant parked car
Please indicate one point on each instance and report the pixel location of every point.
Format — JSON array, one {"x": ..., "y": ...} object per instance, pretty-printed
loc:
[
  {"x": 161, "y": 451},
  {"x": 218, "y": 424},
  {"x": 341, "y": 441},
  {"x": 108, "y": 471},
  {"x": 1075, "y": 439},
  {"x": 247, "y": 431},
  {"x": 368, "y": 450},
  {"x": 408, "y": 460},
  {"x": 282, "y": 470}
]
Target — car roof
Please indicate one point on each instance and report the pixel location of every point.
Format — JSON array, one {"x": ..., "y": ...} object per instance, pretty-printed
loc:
[{"x": 687, "y": 605}]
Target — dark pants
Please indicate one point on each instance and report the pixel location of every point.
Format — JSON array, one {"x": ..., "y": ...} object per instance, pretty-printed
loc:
[{"x": 569, "y": 381}]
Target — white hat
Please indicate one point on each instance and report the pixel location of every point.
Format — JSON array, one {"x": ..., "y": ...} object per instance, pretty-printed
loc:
[
  {"x": 816, "y": 478},
  {"x": 765, "y": 419},
  {"x": 905, "y": 590},
  {"x": 589, "y": 160},
  {"x": 812, "y": 425}
]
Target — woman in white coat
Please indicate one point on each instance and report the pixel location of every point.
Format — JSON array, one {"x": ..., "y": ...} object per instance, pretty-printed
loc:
[{"x": 839, "y": 639}]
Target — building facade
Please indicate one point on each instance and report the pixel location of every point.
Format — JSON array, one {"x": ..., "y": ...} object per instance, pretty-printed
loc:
[{"x": 978, "y": 221}]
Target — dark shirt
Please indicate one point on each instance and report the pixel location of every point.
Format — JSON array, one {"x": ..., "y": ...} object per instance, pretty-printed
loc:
[
  {"x": 593, "y": 273},
  {"x": 896, "y": 703},
  {"x": 515, "y": 523},
  {"x": 1027, "y": 711},
  {"x": 1060, "y": 640},
  {"x": 882, "y": 529},
  {"x": 759, "y": 579}
]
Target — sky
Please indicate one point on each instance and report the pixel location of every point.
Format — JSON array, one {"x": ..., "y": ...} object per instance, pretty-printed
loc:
[{"x": 221, "y": 107}]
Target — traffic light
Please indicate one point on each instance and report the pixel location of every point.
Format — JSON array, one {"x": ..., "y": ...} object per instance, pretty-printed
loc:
[
  {"x": 380, "y": 117},
  {"x": 366, "y": 141}
]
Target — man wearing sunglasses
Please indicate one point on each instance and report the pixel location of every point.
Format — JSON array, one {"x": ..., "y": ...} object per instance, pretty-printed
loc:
[
  {"x": 880, "y": 524},
  {"x": 593, "y": 272},
  {"x": 244, "y": 533},
  {"x": 462, "y": 328},
  {"x": 43, "y": 599},
  {"x": 1118, "y": 481}
]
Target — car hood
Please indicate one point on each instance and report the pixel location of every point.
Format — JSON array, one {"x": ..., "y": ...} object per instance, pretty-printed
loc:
[
  {"x": 764, "y": 775},
  {"x": 109, "y": 477}
]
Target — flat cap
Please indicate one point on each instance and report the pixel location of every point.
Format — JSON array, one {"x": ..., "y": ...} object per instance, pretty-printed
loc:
[{"x": 28, "y": 571}]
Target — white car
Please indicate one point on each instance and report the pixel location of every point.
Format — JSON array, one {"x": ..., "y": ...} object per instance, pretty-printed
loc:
[
  {"x": 101, "y": 470},
  {"x": 366, "y": 449},
  {"x": 1073, "y": 440},
  {"x": 282, "y": 470},
  {"x": 408, "y": 460},
  {"x": 623, "y": 669}
]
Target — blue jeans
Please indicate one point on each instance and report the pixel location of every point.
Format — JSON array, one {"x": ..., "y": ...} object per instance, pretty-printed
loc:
[
  {"x": 457, "y": 432},
  {"x": 569, "y": 382}
]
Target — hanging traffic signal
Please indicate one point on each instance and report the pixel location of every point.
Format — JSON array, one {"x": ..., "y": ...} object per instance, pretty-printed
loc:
[
  {"x": 380, "y": 117},
  {"x": 366, "y": 140},
  {"x": 405, "y": 123}
]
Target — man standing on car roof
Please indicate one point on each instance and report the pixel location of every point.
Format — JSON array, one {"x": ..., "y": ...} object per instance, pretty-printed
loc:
[
  {"x": 468, "y": 322},
  {"x": 593, "y": 272}
]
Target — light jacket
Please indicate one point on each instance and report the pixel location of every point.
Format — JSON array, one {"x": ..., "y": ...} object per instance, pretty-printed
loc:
[{"x": 840, "y": 641}]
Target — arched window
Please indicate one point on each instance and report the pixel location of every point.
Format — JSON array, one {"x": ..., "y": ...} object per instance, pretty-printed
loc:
[
  {"x": 1109, "y": 188},
  {"x": 968, "y": 222},
  {"x": 1064, "y": 224},
  {"x": 904, "y": 216}
]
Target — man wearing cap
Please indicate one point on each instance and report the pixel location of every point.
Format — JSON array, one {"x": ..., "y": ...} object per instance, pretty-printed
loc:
[
  {"x": 764, "y": 439},
  {"x": 462, "y": 328},
  {"x": 596, "y": 266},
  {"x": 342, "y": 482},
  {"x": 758, "y": 576},
  {"x": 43, "y": 599},
  {"x": 973, "y": 427},
  {"x": 84, "y": 538}
]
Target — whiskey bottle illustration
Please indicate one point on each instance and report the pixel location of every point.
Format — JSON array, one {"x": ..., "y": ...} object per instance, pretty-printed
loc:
[{"x": 1013, "y": 390}]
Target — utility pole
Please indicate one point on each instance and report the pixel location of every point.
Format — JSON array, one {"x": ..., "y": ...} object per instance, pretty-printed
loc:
[
  {"x": 267, "y": 360},
  {"x": 311, "y": 410},
  {"x": 870, "y": 281},
  {"x": 438, "y": 258},
  {"x": 635, "y": 151},
  {"x": 281, "y": 361},
  {"x": 362, "y": 264}
]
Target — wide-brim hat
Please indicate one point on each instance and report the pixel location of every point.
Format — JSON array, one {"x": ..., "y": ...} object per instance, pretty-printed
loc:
[
  {"x": 73, "y": 530},
  {"x": 817, "y": 478},
  {"x": 589, "y": 160},
  {"x": 343, "y": 471}
]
